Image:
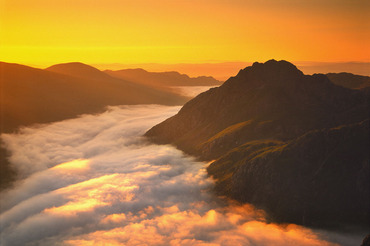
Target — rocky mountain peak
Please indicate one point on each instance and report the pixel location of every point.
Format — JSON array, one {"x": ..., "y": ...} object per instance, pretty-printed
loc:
[
  {"x": 281, "y": 73},
  {"x": 281, "y": 140}
]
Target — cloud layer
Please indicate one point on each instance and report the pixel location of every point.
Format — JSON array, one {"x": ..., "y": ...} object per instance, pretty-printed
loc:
[{"x": 95, "y": 181}]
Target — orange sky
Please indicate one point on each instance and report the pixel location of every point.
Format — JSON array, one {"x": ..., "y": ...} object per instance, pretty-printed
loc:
[{"x": 41, "y": 32}]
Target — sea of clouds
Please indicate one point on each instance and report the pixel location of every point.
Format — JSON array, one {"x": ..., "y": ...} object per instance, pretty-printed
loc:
[{"x": 95, "y": 180}]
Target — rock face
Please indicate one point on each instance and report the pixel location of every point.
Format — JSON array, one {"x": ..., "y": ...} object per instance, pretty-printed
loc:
[{"x": 293, "y": 144}]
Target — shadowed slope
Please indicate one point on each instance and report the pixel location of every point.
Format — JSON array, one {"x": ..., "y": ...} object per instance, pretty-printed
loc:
[
  {"x": 32, "y": 95},
  {"x": 320, "y": 178}
]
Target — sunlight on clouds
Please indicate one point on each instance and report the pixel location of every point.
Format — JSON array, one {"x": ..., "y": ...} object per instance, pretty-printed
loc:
[
  {"x": 114, "y": 188},
  {"x": 176, "y": 227},
  {"x": 72, "y": 208},
  {"x": 93, "y": 193},
  {"x": 73, "y": 166}
]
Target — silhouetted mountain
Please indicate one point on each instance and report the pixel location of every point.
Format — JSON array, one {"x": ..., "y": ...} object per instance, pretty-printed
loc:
[
  {"x": 30, "y": 96},
  {"x": 79, "y": 70},
  {"x": 264, "y": 121},
  {"x": 162, "y": 79},
  {"x": 349, "y": 80}
]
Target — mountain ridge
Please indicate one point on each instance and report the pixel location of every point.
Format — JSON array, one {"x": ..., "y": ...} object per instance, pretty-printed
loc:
[
  {"x": 261, "y": 100},
  {"x": 163, "y": 79},
  {"x": 67, "y": 92}
]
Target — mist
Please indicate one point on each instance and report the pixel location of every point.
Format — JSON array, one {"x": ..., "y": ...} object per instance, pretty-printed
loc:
[
  {"x": 191, "y": 91},
  {"x": 95, "y": 180}
]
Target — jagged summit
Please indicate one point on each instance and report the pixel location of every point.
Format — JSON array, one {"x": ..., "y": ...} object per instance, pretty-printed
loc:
[
  {"x": 273, "y": 63},
  {"x": 276, "y": 72}
]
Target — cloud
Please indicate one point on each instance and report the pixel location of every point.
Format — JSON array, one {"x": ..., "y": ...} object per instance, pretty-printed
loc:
[
  {"x": 191, "y": 91},
  {"x": 95, "y": 180}
]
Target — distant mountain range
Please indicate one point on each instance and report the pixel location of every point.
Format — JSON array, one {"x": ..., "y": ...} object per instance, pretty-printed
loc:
[
  {"x": 293, "y": 144},
  {"x": 223, "y": 70},
  {"x": 162, "y": 79}
]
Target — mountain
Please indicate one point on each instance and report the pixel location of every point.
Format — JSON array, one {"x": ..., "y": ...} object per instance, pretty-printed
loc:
[
  {"x": 273, "y": 133},
  {"x": 162, "y": 79},
  {"x": 349, "y": 80},
  {"x": 30, "y": 96},
  {"x": 79, "y": 70}
]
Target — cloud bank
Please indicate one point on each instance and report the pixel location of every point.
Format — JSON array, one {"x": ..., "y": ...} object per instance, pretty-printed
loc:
[{"x": 95, "y": 180}]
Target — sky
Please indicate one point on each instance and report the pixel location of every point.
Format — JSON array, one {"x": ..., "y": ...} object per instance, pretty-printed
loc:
[
  {"x": 45, "y": 32},
  {"x": 95, "y": 180}
]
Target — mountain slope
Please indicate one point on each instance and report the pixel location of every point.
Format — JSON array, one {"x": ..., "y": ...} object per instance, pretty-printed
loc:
[
  {"x": 258, "y": 114},
  {"x": 32, "y": 95},
  {"x": 320, "y": 178},
  {"x": 274, "y": 100}
]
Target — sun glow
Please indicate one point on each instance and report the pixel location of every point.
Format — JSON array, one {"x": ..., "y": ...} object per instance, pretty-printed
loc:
[
  {"x": 72, "y": 208},
  {"x": 93, "y": 193},
  {"x": 44, "y": 32}
]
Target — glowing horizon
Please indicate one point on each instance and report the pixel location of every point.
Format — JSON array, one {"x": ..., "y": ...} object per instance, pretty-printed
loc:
[{"x": 45, "y": 32}]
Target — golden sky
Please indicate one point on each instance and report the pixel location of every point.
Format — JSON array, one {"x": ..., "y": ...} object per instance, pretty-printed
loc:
[{"x": 42, "y": 32}]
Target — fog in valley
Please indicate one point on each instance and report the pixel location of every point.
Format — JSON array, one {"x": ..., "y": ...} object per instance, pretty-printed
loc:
[{"x": 95, "y": 180}]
